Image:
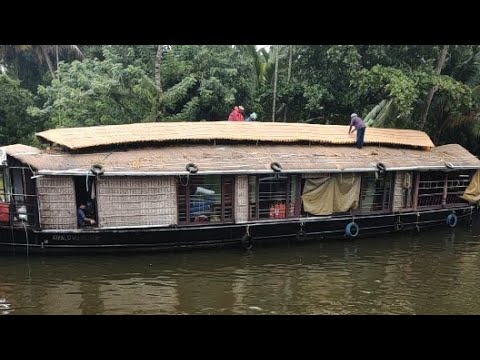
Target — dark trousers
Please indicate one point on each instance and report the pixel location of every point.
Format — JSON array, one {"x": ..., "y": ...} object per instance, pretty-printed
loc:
[{"x": 360, "y": 137}]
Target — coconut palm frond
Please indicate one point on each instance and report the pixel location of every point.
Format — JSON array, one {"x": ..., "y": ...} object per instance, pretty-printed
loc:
[
  {"x": 266, "y": 54},
  {"x": 380, "y": 114},
  {"x": 476, "y": 92},
  {"x": 73, "y": 49},
  {"x": 386, "y": 116},
  {"x": 369, "y": 119}
]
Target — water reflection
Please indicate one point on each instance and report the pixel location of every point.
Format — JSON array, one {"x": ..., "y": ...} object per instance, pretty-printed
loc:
[{"x": 434, "y": 272}]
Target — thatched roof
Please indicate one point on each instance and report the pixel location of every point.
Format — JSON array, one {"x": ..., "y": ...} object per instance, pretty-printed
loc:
[
  {"x": 95, "y": 136},
  {"x": 238, "y": 159}
]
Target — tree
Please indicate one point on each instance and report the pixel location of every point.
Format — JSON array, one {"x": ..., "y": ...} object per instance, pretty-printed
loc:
[
  {"x": 43, "y": 53},
  {"x": 16, "y": 126},
  {"x": 205, "y": 81},
  {"x": 275, "y": 81},
  {"x": 440, "y": 64},
  {"x": 96, "y": 92},
  {"x": 289, "y": 75},
  {"x": 11, "y": 55}
]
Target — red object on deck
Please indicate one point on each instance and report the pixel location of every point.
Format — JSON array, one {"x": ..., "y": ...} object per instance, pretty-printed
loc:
[{"x": 4, "y": 212}]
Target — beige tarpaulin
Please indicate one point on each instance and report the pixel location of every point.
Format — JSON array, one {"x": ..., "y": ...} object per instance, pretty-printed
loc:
[
  {"x": 472, "y": 192},
  {"x": 332, "y": 194}
]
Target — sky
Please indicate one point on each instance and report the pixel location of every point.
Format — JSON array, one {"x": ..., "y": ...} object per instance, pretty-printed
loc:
[{"x": 263, "y": 46}]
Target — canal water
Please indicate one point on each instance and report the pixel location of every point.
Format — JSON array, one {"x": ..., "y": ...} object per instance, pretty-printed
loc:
[{"x": 434, "y": 272}]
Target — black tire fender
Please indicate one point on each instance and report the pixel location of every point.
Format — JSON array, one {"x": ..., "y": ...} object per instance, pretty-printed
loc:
[
  {"x": 97, "y": 169},
  {"x": 301, "y": 235},
  {"x": 469, "y": 222},
  {"x": 247, "y": 241},
  {"x": 382, "y": 168},
  {"x": 191, "y": 168},
  {"x": 276, "y": 166},
  {"x": 452, "y": 220}
]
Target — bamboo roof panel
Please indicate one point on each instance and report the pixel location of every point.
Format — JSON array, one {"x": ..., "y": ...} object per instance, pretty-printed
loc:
[{"x": 184, "y": 132}]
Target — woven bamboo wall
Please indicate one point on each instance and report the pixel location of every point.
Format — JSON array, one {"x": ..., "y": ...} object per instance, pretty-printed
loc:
[
  {"x": 136, "y": 201},
  {"x": 400, "y": 191},
  {"x": 241, "y": 198},
  {"x": 56, "y": 199}
]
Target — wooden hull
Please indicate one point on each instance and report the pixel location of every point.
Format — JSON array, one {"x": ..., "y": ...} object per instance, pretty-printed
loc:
[{"x": 20, "y": 240}]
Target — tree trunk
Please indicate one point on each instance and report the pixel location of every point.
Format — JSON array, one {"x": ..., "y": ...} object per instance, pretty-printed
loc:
[
  {"x": 440, "y": 64},
  {"x": 16, "y": 64},
  {"x": 158, "y": 78},
  {"x": 47, "y": 59},
  {"x": 158, "y": 63},
  {"x": 289, "y": 75},
  {"x": 56, "y": 50},
  {"x": 275, "y": 83}
]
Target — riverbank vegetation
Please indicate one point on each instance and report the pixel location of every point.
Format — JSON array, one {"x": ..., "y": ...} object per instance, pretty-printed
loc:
[{"x": 435, "y": 88}]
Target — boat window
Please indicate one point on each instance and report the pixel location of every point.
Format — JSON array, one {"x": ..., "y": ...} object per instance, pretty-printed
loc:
[
  {"x": 85, "y": 196},
  {"x": 430, "y": 188},
  {"x": 205, "y": 199},
  {"x": 23, "y": 195},
  {"x": 376, "y": 192},
  {"x": 457, "y": 182},
  {"x": 273, "y": 196},
  {"x": 437, "y": 188}
]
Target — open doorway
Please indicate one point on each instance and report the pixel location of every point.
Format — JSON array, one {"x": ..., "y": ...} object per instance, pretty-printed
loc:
[{"x": 85, "y": 196}]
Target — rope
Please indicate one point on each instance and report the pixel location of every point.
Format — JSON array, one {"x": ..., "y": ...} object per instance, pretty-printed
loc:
[
  {"x": 181, "y": 182},
  {"x": 26, "y": 236},
  {"x": 86, "y": 180}
]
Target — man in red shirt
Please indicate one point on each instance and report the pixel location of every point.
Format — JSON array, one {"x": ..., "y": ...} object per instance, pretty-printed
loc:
[{"x": 237, "y": 114}]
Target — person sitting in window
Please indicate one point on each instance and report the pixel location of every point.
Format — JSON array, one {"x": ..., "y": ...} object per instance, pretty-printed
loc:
[{"x": 82, "y": 219}]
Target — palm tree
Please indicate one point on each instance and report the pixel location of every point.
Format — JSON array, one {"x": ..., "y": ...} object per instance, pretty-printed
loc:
[
  {"x": 275, "y": 84},
  {"x": 263, "y": 63},
  {"x": 440, "y": 64},
  {"x": 42, "y": 52}
]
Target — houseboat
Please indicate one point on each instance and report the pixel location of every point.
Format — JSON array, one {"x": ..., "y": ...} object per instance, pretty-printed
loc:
[{"x": 171, "y": 185}]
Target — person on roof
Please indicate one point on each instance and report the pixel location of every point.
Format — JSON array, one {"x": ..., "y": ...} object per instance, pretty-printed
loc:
[
  {"x": 252, "y": 117},
  {"x": 360, "y": 127},
  {"x": 237, "y": 114}
]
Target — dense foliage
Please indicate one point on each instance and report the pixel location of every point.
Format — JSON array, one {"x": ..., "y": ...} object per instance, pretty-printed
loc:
[
  {"x": 429, "y": 87},
  {"x": 15, "y": 124}
]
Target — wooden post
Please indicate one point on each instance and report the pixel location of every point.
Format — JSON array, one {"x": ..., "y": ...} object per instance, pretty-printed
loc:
[
  {"x": 257, "y": 195},
  {"x": 445, "y": 188},
  {"x": 415, "y": 191},
  {"x": 298, "y": 199}
]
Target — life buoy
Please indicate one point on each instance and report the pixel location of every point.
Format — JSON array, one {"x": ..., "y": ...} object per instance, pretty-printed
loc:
[
  {"x": 191, "y": 168},
  {"x": 382, "y": 168},
  {"x": 97, "y": 169},
  {"x": 452, "y": 220},
  {"x": 352, "y": 229},
  {"x": 247, "y": 241},
  {"x": 276, "y": 166}
]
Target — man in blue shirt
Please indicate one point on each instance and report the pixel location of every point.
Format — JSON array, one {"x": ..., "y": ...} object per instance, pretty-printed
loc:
[
  {"x": 82, "y": 218},
  {"x": 252, "y": 117},
  {"x": 360, "y": 127}
]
